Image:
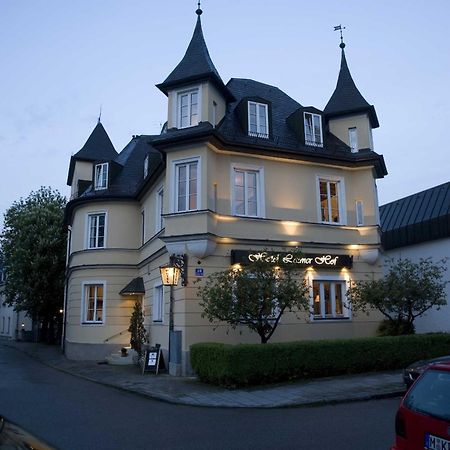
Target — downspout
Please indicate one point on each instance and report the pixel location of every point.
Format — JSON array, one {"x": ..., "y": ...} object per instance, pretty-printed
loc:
[{"x": 66, "y": 288}]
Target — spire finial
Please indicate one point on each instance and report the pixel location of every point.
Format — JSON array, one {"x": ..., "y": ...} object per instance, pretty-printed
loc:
[
  {"x": 199, "y": 9},
  {"x": 340, "y": 28},
  {"x": 100, "y": 115}
]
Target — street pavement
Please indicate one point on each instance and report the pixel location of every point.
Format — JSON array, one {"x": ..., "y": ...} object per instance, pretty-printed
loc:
[{"x": 190, "y": 391}]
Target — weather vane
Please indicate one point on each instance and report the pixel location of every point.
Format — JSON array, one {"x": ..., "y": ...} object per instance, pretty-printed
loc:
[
  {"x": 340, "y": 28},
  {"x": 100, "y": 115}
]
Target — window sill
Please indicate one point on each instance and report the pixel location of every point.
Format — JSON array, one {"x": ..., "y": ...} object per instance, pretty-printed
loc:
[
  {"x": 187, "y": 126},
  {"x": 258, "y": 135},
  {"x": 334, "y": 223},
  {"x": 314, "y": 144},
  {"x": 92, "y": 323},
  {"x": 329, "y": 319},
  {"x": 245, "y": 216}
]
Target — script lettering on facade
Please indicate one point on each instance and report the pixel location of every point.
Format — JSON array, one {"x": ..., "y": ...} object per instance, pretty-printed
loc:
[
  {"x": 294, "y": 259},
  {"x": 264, "y": 256},
  {"x": 326, "y": 260}
]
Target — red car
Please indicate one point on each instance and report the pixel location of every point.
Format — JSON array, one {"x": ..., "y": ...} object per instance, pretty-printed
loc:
[{"x": 423, "y": 419}]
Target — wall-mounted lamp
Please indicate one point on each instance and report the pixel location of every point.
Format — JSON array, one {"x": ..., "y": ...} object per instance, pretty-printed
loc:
[{"x": 174, "y": 270}]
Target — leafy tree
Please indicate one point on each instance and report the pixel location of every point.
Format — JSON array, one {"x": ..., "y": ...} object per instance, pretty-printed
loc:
[
  {"x": 33, "y": 243},
  {"x": 408, "y": 290},
  {"x": 256, "y": 295},
  {"x": 139, "y": 335}
]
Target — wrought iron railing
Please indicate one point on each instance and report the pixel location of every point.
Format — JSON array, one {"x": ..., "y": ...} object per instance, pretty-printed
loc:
[{"x": 116, "y": 335}]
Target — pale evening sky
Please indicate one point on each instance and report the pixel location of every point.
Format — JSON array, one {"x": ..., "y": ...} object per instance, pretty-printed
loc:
[{"x": 61, "y": 61}]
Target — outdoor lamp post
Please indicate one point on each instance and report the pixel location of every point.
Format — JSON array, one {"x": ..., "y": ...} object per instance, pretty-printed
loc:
[{"x": 170, "y": 275}]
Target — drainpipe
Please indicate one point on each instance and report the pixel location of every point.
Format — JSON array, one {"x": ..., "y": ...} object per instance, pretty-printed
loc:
[{"x": 66, "y": 288}]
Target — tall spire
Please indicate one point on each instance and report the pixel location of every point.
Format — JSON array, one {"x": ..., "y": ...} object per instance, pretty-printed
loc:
[
  {"x": 196, "y": 64},
  {"x": 346, "y": 98}
]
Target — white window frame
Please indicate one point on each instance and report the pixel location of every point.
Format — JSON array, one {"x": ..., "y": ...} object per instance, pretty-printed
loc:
[
  {"x": 146, "y": 166},
  {"x": 260, "y": 191},
  {"x": 158, "y": 303},
  {"x": 259, "y": 124},
  {"x": 214, "y": 113},
  {"x": 159, "y": 202},
  {"x": 314, "y": 142},
  {"x": 174, "y": 198},
  {"x": 344, "y": 280},
  {"x": 101, "y": 173},
  {"x": 179, "y": 95},
  {"x": 341, "y": 199},
  {"x": 143, "y": 226},
  {"x": 359, "y": 209},
  {"x": 353, "y": 139},
  {"x": 89, "y": 217},
  {"x": 84, "y": 289},
  {"x": 377, "y": 208}
]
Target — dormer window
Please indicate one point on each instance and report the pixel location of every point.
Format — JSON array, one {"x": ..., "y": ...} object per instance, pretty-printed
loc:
[
  {"x": 146, "y": 166},
  {"x": 101, "y": 176},
  {"x": 188, "y": 107},
  {"x": 313, "y": 129},
  {"x": 258, "y": 120}
]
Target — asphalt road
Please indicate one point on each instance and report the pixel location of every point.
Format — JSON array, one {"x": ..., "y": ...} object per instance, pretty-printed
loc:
[{"x": 71, "y": 413}]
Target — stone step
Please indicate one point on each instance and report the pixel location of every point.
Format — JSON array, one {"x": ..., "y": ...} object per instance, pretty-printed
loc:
[{"x": 116, "y": 359}]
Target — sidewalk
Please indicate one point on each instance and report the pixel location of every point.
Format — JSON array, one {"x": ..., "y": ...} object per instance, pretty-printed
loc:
[{"x": 189, "y": 391}]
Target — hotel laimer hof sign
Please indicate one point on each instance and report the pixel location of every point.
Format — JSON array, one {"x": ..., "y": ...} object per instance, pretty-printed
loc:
[{"x": 301, "y": 260}]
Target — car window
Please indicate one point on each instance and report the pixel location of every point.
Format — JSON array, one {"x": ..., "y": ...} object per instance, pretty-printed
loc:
[{"x": 431, "y": 395}]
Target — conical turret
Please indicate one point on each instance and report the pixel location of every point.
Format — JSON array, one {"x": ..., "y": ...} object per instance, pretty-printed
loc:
[
  {"x": 346, "y": 98},
  {"x": 196, "y": 65}
]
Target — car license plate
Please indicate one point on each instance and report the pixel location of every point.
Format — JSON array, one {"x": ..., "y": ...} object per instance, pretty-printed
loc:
[{"x": 436, "y": 443}]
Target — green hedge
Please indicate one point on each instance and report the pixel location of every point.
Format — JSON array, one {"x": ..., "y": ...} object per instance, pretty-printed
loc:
[{"x": 252, "y": 364}]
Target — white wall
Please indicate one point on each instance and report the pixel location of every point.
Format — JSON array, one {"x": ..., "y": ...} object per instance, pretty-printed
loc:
[{"x": 433, "y": 320}]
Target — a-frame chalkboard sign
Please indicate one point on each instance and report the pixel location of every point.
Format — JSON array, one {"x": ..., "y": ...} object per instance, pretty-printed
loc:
[{"x": 153, "y": 360}]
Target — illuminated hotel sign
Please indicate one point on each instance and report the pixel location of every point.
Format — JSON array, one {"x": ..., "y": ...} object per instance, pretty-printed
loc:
[{"x": 302, "y": 260}]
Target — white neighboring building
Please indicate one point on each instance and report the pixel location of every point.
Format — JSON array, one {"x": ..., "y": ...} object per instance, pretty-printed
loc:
[
  {"x": 13, "y": 325},
  {"x": 418, "y": 226}
]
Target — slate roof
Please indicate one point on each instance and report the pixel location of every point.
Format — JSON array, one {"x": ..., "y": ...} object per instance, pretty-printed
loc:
[
  {"x": 282, "y": 107},
  {"x": 135, "y": 286},
  {"x": 129, "y": 175},
  {"x": 126, "y": 175},
  {"x": 282, "y": 137},
  {"x": 196, "y": 65},
  {"x": 346, "y": 98},
  {"x": 97, "y": 147},
  {"x": 420, "y": 217}
]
